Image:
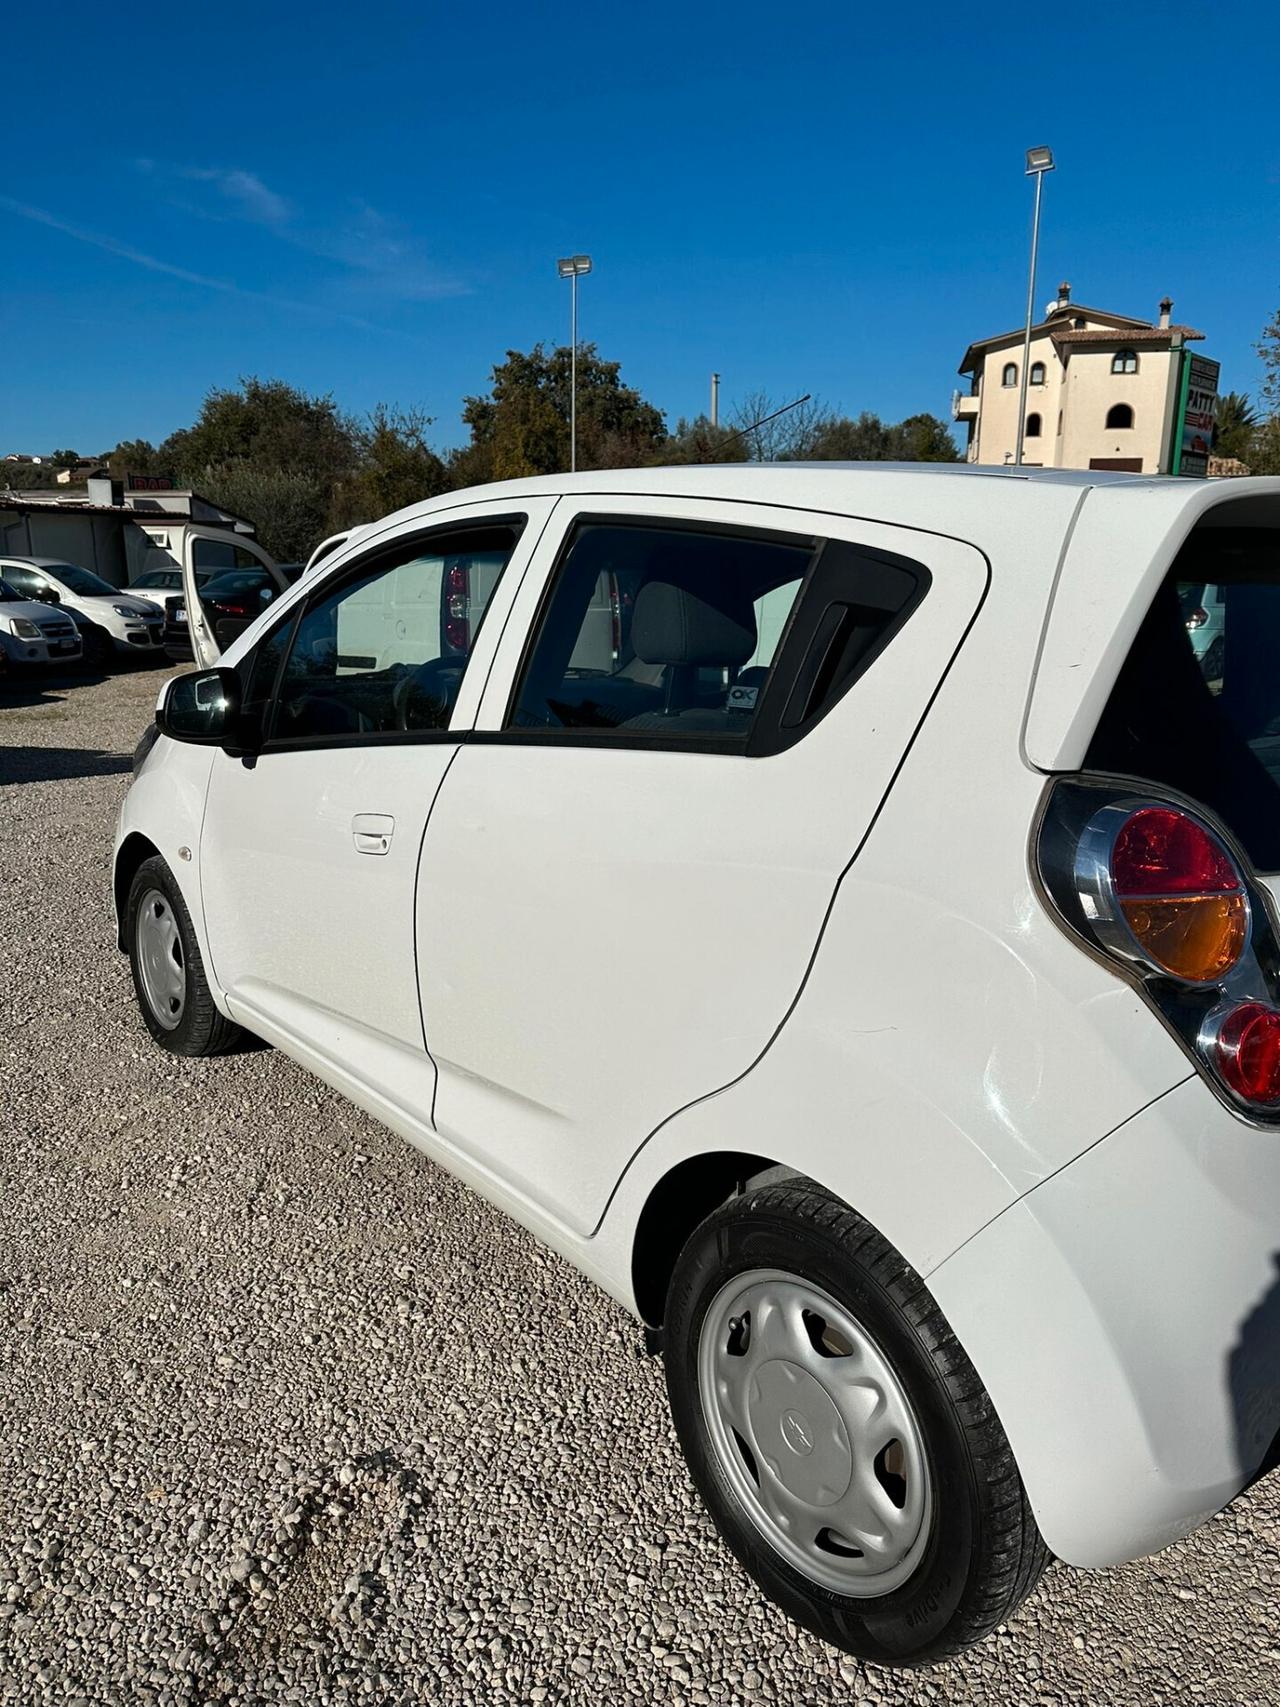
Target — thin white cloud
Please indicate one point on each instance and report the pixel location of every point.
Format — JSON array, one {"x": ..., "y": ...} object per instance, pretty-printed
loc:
[
  {"x": 244, "y": 190},
  {"x": 380, "y": 256},
  {"x": 153, "y": 263}
]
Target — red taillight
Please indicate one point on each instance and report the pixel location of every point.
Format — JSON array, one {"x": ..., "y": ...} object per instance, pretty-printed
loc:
[
  {"x": 1246, "y": 1053},
  {"x": 457, "y": 632},
  {"x": 1181, "y": 894},
  {"x": 456, "y": 580},
  {"x": 1160, "y": 851},
  {"x": 1197, "y": 618}
]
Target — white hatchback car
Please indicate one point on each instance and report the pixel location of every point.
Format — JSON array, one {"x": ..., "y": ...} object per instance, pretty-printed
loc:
[
  {"x": 830, "y": 906},
  {"x": 120, "y": 621},
  {"x": 31, "y": 633}
]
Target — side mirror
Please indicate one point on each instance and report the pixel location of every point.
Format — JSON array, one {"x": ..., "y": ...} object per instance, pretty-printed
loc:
[
  {"x": 203, "y": 708},
  {"x": 49, "y": 596}
]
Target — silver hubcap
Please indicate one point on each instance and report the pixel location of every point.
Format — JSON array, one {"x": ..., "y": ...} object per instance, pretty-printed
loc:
[
  {"x": 161, "y": 966},
  {"x": 815, "y": 1433}
]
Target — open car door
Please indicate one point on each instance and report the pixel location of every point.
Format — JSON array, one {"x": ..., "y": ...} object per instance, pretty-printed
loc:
[{"x": 207, "y": 552}]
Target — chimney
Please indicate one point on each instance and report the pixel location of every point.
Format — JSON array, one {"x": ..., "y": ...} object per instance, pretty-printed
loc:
[
  {"x": 1166, "y": 309},
  {"x": 101, "y": 489},
  {"x": 1062, "y": 302}
]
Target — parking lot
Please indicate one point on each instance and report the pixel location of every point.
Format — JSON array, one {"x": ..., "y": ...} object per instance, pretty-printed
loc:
[{"x": 290, "y": 1416}]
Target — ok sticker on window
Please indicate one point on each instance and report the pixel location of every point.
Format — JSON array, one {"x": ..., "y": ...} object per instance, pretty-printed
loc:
[{"x": 742, "y": 699}]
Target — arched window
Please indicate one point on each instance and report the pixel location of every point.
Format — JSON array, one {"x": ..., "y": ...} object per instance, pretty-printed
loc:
[
  {"x": 1037, "y": 373},
  {"x": 1033, "y": 427},
  {"x": 1119, "y": 415},
  {"x": 1010, "y": 374},
  {"x": 1124, "y": 361}
]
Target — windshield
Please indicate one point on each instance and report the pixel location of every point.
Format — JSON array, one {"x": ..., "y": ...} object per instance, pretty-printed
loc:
[
  {"x": 80, "y": 581},
  {"x": 158, "y": 578}
]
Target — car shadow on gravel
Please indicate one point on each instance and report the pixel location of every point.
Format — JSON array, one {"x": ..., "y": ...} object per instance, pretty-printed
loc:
[
  {"x": 59, "y": 764},
  {"x": 45, "y": 687}
]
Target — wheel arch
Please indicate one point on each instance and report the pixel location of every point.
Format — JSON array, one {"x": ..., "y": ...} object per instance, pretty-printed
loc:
[
  {"x": 677, "y": 1202},
  {"x": 131, "y": 853}
]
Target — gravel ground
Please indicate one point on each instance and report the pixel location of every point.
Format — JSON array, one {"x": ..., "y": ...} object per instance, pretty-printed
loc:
[{"x": 289, "y": 1416}]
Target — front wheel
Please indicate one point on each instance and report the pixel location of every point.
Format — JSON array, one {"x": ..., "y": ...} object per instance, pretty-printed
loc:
[
  {"x": 168, "y": 973},
  {"x": 838, "y": 1433}
]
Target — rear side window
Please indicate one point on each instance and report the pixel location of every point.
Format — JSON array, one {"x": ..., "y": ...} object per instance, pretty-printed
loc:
[
  {"x": 1197, "y": 703},
  {"x": 657, "y": 632}
]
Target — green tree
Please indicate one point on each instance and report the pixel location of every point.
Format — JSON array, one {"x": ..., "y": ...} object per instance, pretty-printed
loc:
[
  {"x": 522, "y": 426},
  {"x": 1268, "y": 348},
  {"x": 288, "y": 507},
  {"x": 699, "y": 441},
  {"x": 923, "y": 438},
  {"x": 1235, "y": 425},
  {"x": 64, "y": 458},
  {"x": 843, "y": 439},
  {"x": 268, "y": 424},
  {"x": 396, "y": 467},
  {"x": 134, "y": 456}
]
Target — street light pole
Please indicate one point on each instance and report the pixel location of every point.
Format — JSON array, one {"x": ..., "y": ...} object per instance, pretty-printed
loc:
[
  {"x": 573, "y": 267},
  {"x": 1039, "y": 161}
]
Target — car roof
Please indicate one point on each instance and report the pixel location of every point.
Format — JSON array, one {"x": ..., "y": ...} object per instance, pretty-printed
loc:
[
  {"x": 967, "y": 500},
  {"x": 38, "y": 562}
]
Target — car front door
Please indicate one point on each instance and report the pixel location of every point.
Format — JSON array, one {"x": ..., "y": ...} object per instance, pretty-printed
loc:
[
  {"x": 206, "y": 551},
  {"x": 309, "y": 848},
  {"x": 628, "y": 869}
]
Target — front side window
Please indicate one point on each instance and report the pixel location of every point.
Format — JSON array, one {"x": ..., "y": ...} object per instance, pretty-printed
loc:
[
  {"x": 1010, "y": 374},
  {"x": 384, "y": 651}
]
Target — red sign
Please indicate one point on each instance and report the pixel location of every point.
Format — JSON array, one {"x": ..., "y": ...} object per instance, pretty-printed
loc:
[{"x": 149, "y": 482}]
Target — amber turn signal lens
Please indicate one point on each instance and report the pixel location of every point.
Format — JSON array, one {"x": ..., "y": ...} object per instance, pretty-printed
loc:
[{"x": 1197, "y": 937}]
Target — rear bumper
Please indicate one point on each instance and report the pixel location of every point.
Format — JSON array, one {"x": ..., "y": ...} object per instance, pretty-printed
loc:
[{"x": 1125, "y": 1317}]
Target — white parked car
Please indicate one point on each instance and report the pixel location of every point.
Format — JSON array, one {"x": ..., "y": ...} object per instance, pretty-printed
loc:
[
  {"x": 31, "y": 633},
  {"x": 829, "y": 906},
  {"x": 124, "y": 622}
]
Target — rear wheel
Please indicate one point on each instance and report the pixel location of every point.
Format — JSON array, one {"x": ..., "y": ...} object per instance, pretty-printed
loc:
[
  {"x": 168, "y": 973},
  {"x": 839, "y": 1435}
]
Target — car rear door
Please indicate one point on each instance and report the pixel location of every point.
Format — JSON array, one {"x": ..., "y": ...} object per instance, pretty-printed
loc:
[
  {"x": 204, "y": 549},
  {"x": 629, "y": 865}
]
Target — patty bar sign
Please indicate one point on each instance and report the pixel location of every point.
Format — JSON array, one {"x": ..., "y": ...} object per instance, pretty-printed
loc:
[{"x": 1197, "y": 406}]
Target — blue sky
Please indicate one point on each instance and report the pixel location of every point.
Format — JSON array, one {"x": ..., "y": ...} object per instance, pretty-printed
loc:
[{"x": 370, "y": 200}]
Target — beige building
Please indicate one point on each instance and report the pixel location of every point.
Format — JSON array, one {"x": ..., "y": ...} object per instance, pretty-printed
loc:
[{"x": 1102, "y": 390}]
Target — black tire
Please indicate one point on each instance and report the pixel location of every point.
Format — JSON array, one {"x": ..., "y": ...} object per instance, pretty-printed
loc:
[
  {"x": 97, "y": 650},
  {"x": 983, "y": 1553},
  {"x": 199, "y": 1029}
]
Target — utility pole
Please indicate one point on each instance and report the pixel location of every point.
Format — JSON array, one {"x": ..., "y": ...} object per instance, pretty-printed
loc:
[
  {"x": 715, "y": 399},
  {"x": 1039, "y": 161}
]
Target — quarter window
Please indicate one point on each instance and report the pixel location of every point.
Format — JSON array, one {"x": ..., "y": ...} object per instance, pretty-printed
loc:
[{"x": 384, "y": 651}]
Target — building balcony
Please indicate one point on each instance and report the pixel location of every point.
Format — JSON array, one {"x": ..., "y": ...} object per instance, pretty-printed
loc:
[{"x": 964, "y": 408}]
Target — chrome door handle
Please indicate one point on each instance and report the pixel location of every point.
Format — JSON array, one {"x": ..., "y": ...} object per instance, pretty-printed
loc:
[{"x": 372, "y": 832}]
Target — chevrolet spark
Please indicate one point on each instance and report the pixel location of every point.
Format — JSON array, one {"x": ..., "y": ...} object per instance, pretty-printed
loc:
[{"x": 835, "y": 909}]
